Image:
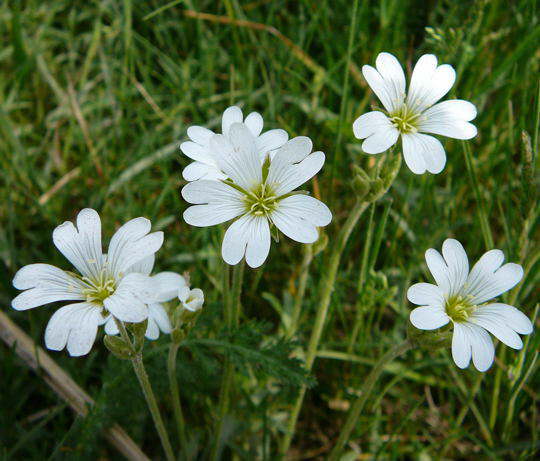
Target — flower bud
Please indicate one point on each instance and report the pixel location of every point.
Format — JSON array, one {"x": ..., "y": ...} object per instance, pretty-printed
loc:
[
  {"x": 361, "y": 182},
  {"x": 119, "y": 347}
]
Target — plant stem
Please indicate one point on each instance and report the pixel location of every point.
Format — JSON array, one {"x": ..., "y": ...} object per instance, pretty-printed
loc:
[
  {"x": 358, "y": 405},
  {"x": 146, "y": 387},
  {"x": 484, "y": 224},
  {"x": 344, "y": 98},
  {"x": 326, "y": 289},
  {"x": 232, "y": 316},
  {"x": 175, "y": 394},
  {"x": 301, "y": 290}
]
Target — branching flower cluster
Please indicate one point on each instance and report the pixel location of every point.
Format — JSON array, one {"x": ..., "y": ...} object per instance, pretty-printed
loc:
[{"x": 251, "y": 179}]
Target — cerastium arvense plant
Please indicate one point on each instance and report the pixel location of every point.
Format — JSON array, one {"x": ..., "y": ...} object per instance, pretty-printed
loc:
[{"x": 252, "y": 178}]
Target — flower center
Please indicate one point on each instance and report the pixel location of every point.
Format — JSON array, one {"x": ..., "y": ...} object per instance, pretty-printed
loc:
[
  {"x": 459, "y": 308},
  {"x": 261, "y": 201},
  {"x": 100, "y": 288},
  {"x": 405, "y": 120}
]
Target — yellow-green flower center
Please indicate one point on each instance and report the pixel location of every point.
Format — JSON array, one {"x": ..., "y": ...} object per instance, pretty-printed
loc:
[
  {"x": 99, "y": 288},
  {"x": 261, "y": 200},
  {"x": 459, "y": 308},
  {"x": 405, "y": 120}
]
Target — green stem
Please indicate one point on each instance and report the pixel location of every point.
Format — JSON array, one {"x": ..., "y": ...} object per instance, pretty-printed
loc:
[
  {"x": 142, "y": 376},
  {"x": 232, "y": 316},
  {"x": 326, "y": 289},
  {"x": 175, "y": 394},
  {"x": 345, "y": 96},
  {"x": 301, "y": 290},
  {"x": 484, "y": 223},
  {"x": 358, "y": 405}
]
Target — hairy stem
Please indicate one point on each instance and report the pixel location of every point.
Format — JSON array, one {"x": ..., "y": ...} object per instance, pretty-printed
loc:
[
  {"x": 232, "y": 316},
  {"x": 175, "y": 394},
  {"x": 301, "y": 290},
  {"x": 367, "y": 387},
  {"x": 144, "y": 382},
  {"x": 326, "y": 289}
]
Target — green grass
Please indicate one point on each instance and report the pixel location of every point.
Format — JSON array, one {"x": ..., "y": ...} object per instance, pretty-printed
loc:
[{"x": 94, "y": 99}]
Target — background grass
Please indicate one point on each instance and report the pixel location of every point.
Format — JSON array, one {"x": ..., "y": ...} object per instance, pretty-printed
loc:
[{"x": 94, "y": 98}]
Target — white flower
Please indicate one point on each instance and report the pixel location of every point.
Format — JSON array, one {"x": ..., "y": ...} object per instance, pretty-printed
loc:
[
  {"x": 206, "y": 165},
  {"x": 192, "y": 299},
  {"x": 412, "y": 114},
  {"x": 259, "y": 195},
  {"x": 108, "y": 285},
  {"x": 463, "y": 298},
  {"x": 166, "y": 286}
]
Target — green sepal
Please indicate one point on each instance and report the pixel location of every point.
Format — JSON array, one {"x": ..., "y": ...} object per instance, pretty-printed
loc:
[
  {"x": 178, "y": 335},
  {"x": 274, "y": 232},
  {"x": 119, "y": 347},
  {"x": 428, "y": 339},
  {"x": 138, "y": 330}
]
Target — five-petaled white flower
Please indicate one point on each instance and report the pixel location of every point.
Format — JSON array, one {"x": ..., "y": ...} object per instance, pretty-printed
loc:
[
  {"x": 191, "y": 299},
  {"x": 258, "y": 194},
  {"x": 206, "y": 165},
  {"x": 463, "y": 298},
  {"x": 109, "y": 284},
  {"x": 166, "y": 287},
  {"x": 414, "y": 113}
]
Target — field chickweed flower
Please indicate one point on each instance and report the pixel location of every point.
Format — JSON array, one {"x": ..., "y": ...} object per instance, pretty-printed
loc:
[
  {"x": 206, "y": 165},
  {"x": 191, "y": 299},
  {"x": 259, "y": 194},
  {"x": 108, "y": 285},
  {"x": 412, "y": 114},
  {"x": 463, "y": 298},
  {"x": 166, "y": 289}
]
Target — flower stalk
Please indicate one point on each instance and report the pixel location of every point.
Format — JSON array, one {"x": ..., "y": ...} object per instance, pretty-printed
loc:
[
  {"x": 358, "y": 405},
  {"x": 175, "y": 395},
  {"x": 144, "y": 382}
]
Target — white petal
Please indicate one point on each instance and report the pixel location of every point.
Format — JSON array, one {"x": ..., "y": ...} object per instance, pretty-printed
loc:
[
  {"x": 200, "y": 134},
  {"x": 248, "y": 235},
  {"x": 144, "y": 266},
  {"x": 449, "y": 118},
  {"x": 132, "y": 243},
  {"x": 231, "y": 115},
  {"x": 81, "y": 245},
  {"x": 212, "y": 214},
  {"x": 293, "y": 176},
  {"x": 75, "y": 325},
  {"x": 451, "y": 272},
  {"x": 457, "y": 262},
  {"x": 429, "y": 83},
  {"x": 512, "y": 317},
  {"x": 293, "y": 165},
  {"x": 110, "y": 327},
  {"x": 158, "y": 314},
  {"x": 198, "y": 170},
  {"x": 198, "y": 153},
  {"x": 168, "y": 284},
  {"x": 423, "y": 152},
  {"x": 486, "y": 285},
  {"x": 235, "y": 240},
  {"x": 44, "y": 284},
  {"x": 129, "y": 301},
  {"x": 254, "y": 122},
  {"x": 237, "y": 156},
  {"x": 204, "y": 191},
  {"x": 271, "y": 140},
  {"x": 152, "y": 330},
  {"x": 183, "y": 293},
  {"x": 196, "y": 302},
  {"x": 258, "y": 244},
  {"x": 298, "y": 218},
  {"x": 483, "y": 352},
  {"x": 426, "y": 294},
  {"x": 370, "y": 123},
  {"x": 428, "y": 317},
  {"x": 496, "y": 325},
  {"x": 461, "y": 345},
  {"x": 381, "y": 140},
  {"x": 387, "y": 81},
  {"x": 306, "y": 207}
]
